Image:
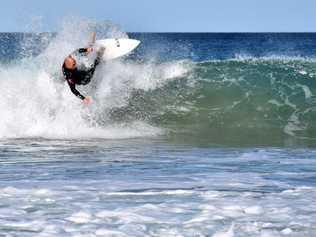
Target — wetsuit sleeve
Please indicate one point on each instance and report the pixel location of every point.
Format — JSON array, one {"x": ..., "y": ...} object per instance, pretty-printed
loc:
[
  {"x": 73, "y": 89},
  {"x": 69, "y": 78}
]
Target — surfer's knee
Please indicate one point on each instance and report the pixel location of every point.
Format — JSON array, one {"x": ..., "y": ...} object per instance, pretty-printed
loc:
[{"x": 100, "y": 54}]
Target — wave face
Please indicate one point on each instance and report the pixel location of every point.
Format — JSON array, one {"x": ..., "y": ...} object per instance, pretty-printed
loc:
[
  {"x": 243, "y": 101},
  {"x": 187, "y": 88}
]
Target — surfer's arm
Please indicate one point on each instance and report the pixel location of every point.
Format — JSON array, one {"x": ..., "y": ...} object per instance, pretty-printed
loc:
[{"x": 73, "y": 89}]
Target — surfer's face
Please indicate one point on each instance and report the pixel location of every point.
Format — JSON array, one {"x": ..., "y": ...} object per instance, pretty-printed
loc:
[{"x": 70, "y": 63}]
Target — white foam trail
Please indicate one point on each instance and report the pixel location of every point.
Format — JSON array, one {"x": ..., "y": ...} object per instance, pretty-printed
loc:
[
  {"x": 229, "y": 233},
  {"x": 80, "y": 217}
]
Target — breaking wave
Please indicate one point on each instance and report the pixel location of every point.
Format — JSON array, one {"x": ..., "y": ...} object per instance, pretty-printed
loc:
[{"x": 238, "y": 101}]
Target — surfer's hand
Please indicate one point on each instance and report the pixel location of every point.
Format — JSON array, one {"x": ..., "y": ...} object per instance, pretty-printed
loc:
[
  {"x": 87, "y": 100},
  {"x": 89, "y": 50}
]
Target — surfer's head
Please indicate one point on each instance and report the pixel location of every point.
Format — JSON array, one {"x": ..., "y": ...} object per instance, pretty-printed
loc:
[{"x": 70, "y": 63}]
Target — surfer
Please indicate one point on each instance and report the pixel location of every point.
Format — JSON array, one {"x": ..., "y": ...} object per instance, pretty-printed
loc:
[{"x": 75, "y": 76}]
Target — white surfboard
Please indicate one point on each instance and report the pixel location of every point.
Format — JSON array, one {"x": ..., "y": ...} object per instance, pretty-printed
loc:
[{"x": 115, "y": 48}]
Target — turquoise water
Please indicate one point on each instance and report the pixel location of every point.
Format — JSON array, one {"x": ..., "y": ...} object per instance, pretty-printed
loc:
[{"x": 243, "y": 101}]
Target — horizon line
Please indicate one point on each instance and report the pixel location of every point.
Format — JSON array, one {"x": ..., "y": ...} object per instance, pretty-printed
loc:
[{"x": 179, "y": 32}]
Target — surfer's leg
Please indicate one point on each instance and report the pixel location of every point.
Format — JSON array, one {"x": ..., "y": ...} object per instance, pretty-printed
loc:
[
  {"x": 99, "y": 56},
  {"x": 90, "y": 72},
  {"x": 87, "y": 78}
]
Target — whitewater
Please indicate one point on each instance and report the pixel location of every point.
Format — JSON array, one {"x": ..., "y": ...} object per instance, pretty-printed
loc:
[
  {"x": 191, "y": 135},
  {"x": 34, "y": 86}
]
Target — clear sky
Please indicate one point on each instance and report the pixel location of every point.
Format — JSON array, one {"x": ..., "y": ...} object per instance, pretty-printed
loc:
[{"x": 166, "y": 15}]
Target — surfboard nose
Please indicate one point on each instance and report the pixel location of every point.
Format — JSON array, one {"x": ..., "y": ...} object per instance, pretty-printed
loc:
[{"x": 115, "y": 48}]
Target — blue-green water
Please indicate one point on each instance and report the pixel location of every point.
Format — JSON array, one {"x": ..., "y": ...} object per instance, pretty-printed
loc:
[{"x": 191, "y": 135}]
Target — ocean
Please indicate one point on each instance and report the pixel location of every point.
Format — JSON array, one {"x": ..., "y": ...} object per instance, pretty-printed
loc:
[{"x": 193, "y": 134}]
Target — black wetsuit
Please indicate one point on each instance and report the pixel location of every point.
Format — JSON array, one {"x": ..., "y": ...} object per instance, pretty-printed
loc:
[{"x": 79, "y": 77}]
